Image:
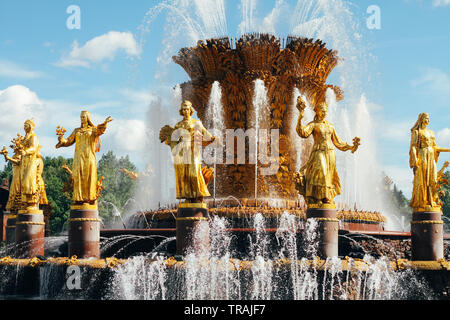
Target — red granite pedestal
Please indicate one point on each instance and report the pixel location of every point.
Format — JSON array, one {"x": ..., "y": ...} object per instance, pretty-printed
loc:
[
  {"x": 328, "y": 229},
  {"x": 30, "y": 233},
  {"x": 427, "y": 236},
  {"x": 84, "y": 232},
  {"x": 192, "y": 228}
]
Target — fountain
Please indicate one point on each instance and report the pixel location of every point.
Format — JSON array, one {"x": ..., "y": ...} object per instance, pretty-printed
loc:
[{"x": 247, "y": 234}]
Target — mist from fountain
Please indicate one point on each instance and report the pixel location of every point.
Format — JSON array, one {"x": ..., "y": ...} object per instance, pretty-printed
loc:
[
  {"x": 214, "y": 275},
  {"x": 214, "y": 113},
  {"x": 260, "y": 118},
  {"x": 210, "y": 276}
]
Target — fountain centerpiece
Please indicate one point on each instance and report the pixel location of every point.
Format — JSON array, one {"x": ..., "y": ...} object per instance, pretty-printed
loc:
[{"x": 299, "y": 63}]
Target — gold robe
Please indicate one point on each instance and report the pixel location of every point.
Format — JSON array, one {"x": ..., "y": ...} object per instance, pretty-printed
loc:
[
  {"x": 40, "y": 181},
  {"x": 423, "y": 155},
  {"x": 14, "y": 189},
  {"x": 321, "y": 176},
  {"x": 84, "y": 170},
  {"x": 189, "y": 178},
  {"x": 28, "y": 166}
]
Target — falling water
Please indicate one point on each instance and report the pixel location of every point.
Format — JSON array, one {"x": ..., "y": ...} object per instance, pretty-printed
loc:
[
  {"x": 140, "y": 279},
  {"x": 214, "y": 114},
  {"x": 332, "y": 22},
  {"x": 261, "y": 114}
]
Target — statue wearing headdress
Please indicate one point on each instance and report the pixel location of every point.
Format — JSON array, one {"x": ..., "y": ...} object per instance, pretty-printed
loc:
[
  {"x": 15, "y": 198},
  {"x": 189, "y": 135},
  {"x": 423, "y": 157},
  {"x": 30, "y": 151},
  {"x": 40, "y": 180},
  {"x": 84, "y": 171},
  {"x": 318, "y": 179}
]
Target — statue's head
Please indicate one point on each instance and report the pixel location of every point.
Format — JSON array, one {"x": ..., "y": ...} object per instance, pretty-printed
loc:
[
  {"x": 186, "y": 106},
  {"x": 321, "y": 110},
  {"x": 85, "y": 118},
  {"x": 422, "y": 120},
  {"x": 29, "y": 125}
]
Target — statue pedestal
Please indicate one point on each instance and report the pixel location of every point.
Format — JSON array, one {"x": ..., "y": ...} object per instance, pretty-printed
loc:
[
  {"x": 10, "y": 230},
  {"x": 30, "y": 233},
  {"x": 84, "y": 232},
  {"x": 328, "y": 229},
  {"x": 427, "y": 230},
  {"x": 192, "y": 228}
]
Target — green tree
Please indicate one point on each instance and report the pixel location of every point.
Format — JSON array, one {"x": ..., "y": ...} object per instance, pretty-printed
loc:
[
  {"x": 6, "y": 173},
  {"x": 118, "y": 187},
  {"x": 55, "y": 178},
  {"x": 444, "y": 193}
]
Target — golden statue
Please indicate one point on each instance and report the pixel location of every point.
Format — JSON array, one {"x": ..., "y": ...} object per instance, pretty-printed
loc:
[
  {"x": 318, "y": 179},
  {"x": 186, "y": 152},
  {"x": 15, "y": 197},
  {"x": 138, "y": 175},
  {"x": 84, "y": 171},
  {"x": 423, "y": 157},
  {"x": 40, "y": 180},
  {"x": 30, "y": 152}
]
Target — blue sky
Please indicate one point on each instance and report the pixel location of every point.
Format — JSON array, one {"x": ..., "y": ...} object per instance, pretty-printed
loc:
[{"x": 111, "y": 67}]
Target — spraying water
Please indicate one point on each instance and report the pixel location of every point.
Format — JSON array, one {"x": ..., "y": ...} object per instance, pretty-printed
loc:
[
  {"x": 214, "y": 113},
  {"x": 261, "y": 116}
]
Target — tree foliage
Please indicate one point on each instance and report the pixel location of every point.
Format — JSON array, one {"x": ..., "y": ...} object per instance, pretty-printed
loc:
[
  {"x": 55, "y": 178},
  {"x": 118, "y": 187},
  {"x": 445, "y": 197}
]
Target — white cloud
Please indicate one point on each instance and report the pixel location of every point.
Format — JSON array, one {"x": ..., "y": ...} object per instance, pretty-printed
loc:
[
  {"x": 138, "y": 99},
  {"x": 443, "y": 137},
  {"x": 125, "y": 136},
  {"x": 269, "y": 21},
  {"x": 402, "y": 177},
  {"x": 394, "y": 130},
  {"x": 98, "y": 49},
  {"x": 9, "y": 69},
  {"x": 434, "y": 81},
  {"x": 441, "y": 3},
  {"x": 17, "y": 104}
]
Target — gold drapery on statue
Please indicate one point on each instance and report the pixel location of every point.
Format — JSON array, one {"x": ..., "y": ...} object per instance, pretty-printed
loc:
[
  {"x": 84, "y": 170},
  {"x": 15, "y": 197},
  {"x": 30, "y": 150},
  {"x": 189, "y": 135},
  {"x": 40, "y": 180},
  {"x": 318, "y": 179},
  {"x": 423, "y": 157}
]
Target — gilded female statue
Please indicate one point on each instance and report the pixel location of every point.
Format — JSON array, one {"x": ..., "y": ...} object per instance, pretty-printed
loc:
[
  {"x": 84, "y": 171},
  {"x": 28, "y": 166},
  {"x": 15, "y": 198},
  {"x": 318, "y": 179},
  {"x": 423, "y": 157},
  {"x": 189, "y": 135},
  {"x": 40, "y": 180}
]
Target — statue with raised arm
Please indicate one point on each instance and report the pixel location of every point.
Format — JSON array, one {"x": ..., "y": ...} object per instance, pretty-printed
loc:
[
  {"x": 15, "y": 198},
  {"x": 185, "y": 141},
  {"x": 423, "y": 157},
  {"x": 318, "y": 179},
  {"x": 84, "y": 170},
  {"x": 40, "y": 179},
  {"x": 138, "y": 175}
]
